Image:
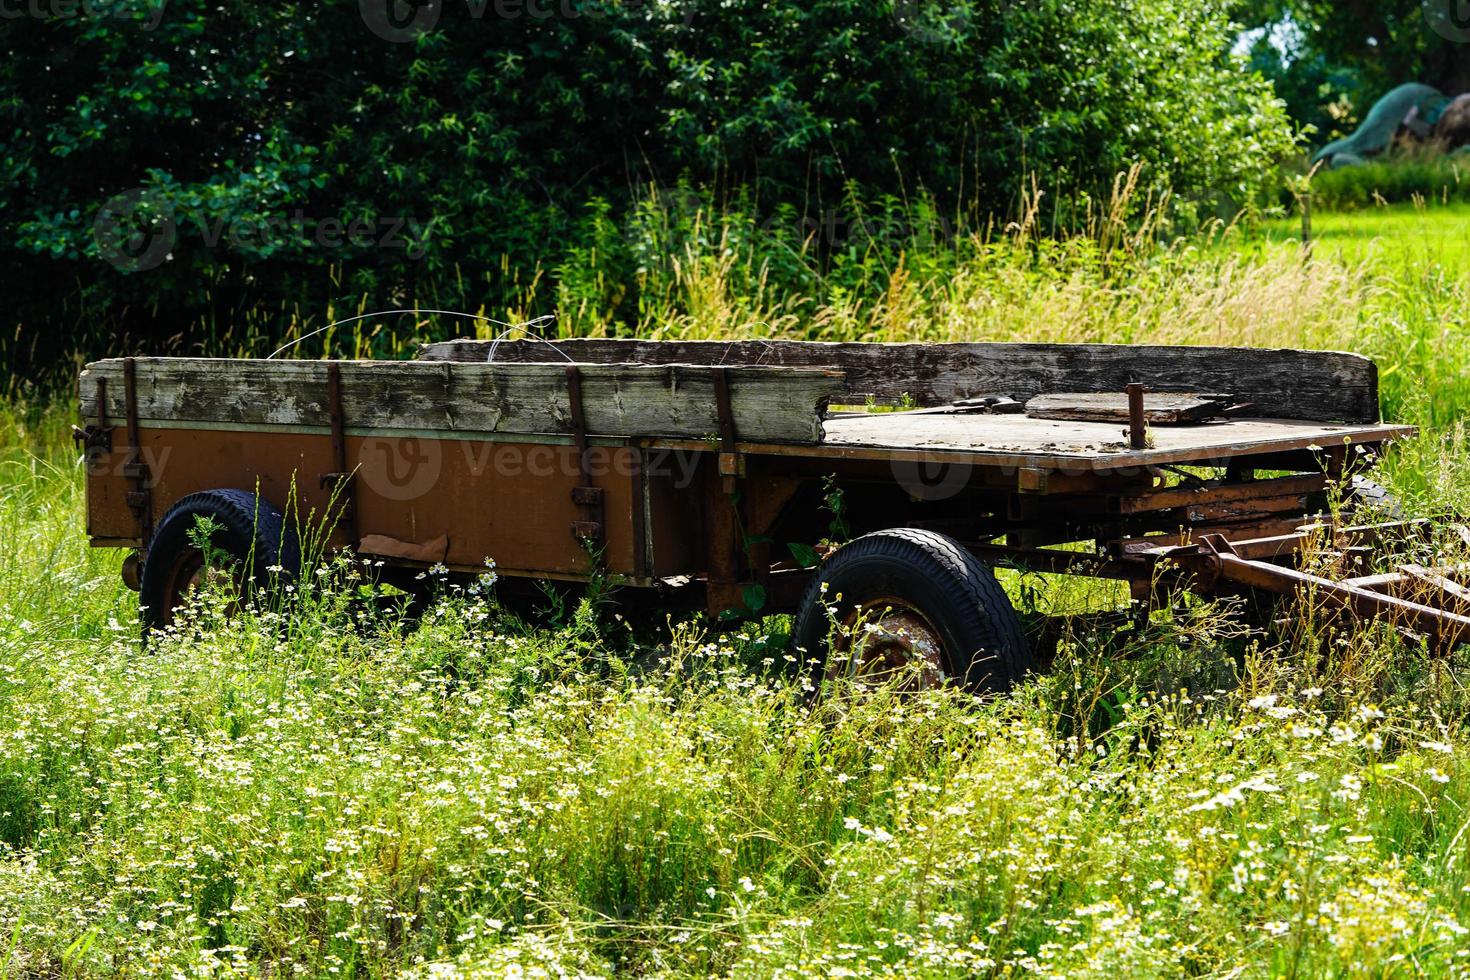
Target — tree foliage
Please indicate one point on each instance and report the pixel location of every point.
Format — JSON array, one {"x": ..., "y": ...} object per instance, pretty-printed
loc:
[
  {"x": 327, "y": 150},
  {"x": 1330, "y": 60}
]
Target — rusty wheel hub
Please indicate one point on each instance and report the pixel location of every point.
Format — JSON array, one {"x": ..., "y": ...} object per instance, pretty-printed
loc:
[
  {"x": 887, "y": 639},
  {"x": 191, "y": 574}
]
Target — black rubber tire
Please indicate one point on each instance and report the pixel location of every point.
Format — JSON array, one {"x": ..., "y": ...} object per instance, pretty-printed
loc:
[
  {"x": 254, "y": 533},
  {"x": 983, "y": 643}
]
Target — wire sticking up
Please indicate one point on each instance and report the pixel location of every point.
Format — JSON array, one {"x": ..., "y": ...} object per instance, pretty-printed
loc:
[
  {"x": 494, "y": 344},
  {"x": 538, "y": 321}
]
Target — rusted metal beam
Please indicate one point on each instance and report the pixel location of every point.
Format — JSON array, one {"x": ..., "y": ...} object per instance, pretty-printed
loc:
[
  {"x": 1063, "y": 562},
  {"x": 1454, "y": 591},
  {"x": 1218, "y": 561},
  {"x": 722, "y": 543},
  {"x": 1277, "y": 545},
  {"x": 1387, "y": 581},
  {"x": 639, "y": 495},
  {"x": 732, "y": 463},
  {"x": 587, "y": 496}
]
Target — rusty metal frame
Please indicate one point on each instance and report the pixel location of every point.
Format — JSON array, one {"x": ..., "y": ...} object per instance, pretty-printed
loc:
[
  {"x": 1218, "y": 561},
  {"x": 588, "y": 496},
  {"x": 726, "y": 508},
  {"x": 1210, "y": 494},
  {"x": 341, "y": 480}
]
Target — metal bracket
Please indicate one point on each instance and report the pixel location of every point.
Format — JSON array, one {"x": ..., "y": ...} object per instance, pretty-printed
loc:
[
  {"x": 587, "y": 530},
  {"x": 95, "y": 438},
  {"x": 1032, "y": 479},
  {"x": 731, "y": 462},
  {"x": 586, "y": 496}
]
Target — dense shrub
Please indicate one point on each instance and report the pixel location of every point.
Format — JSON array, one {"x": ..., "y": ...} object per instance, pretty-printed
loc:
[
  {"x": 252, "y": 137},
  {"x": 1430, "y": 178}
]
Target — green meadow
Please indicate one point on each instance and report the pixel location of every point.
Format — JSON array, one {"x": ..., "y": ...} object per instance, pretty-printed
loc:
[{"x": 348, "y": 791}]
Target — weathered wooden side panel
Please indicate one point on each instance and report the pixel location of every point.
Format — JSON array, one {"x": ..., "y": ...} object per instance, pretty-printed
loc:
[
  {"x": 453, "y": 500},
  {"x": 1319, "y": 386},
  {"x": 769, "y": 405}
]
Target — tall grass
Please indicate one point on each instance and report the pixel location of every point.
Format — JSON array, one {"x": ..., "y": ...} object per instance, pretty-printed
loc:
[{"x": 471, "y": 794}]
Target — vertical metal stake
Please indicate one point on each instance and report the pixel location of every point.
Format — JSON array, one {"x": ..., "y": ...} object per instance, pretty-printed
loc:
[{"x": 1137, "y": 427}]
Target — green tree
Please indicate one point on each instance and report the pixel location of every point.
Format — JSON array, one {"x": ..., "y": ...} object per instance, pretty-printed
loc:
[
  {"x": 1331, "y": 60},
  {"x": 486, "y": 126}
]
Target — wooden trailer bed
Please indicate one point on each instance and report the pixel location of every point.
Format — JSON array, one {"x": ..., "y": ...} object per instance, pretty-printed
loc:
[
  {"x": 709, "y": 468},
  {"x": 1018, "y": 440}
]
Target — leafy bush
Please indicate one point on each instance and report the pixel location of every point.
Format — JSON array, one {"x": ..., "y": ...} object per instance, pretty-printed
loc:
[
  {"x": 289, "y": 158},
  {"x": 1428, "y": 177}
]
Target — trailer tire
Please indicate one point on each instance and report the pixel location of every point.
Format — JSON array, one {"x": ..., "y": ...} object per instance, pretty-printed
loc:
[
  {"x": 945, "y": 613},
  {"x": 254, "y": 535}
]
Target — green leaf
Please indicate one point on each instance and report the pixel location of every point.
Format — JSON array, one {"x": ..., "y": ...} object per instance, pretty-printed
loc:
[
  {"x": 754, "y": 597},
  {"x": 806, "y": 556}
]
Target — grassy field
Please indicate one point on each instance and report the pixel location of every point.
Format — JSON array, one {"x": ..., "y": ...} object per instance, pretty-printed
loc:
[
  {"x": 1428, "y": 236},
  {"x": 344, "y": 793}
]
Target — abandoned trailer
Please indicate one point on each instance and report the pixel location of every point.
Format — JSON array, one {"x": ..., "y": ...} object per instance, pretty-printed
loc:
[{"x": 701, "y": 473}]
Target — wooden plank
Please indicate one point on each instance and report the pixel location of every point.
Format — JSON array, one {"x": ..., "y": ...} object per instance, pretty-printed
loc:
[
  {"x": 1159, "y": 408},
  {"x": 1443, "y": 583},
  {"x": 1386, "y": 581},
  {"x": 1324, "y": 386},
  {"x": 1024, "y": 434},
  {"x": 776, "y": 405},
  {"x": 1263, "y": 439},
  {"x": 1291, "y": 487}
]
